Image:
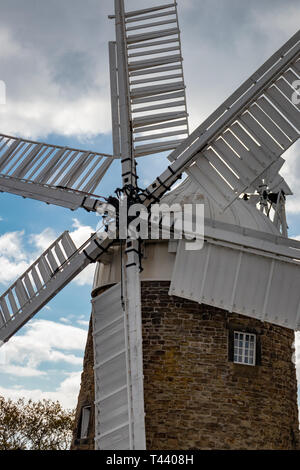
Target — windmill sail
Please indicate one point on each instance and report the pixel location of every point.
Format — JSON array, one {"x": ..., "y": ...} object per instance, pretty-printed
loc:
[
  {"x": 54, "y": 174},
  {"x": 245, "y": 136},
  {"x": 157, "y": 98},
  {"x": 118, "y": 370},
  {"x": 47, "y": 276}
]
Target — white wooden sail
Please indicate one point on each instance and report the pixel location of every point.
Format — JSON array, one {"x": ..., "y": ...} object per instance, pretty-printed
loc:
[
  {"x": 245, "y": 136},
  {"x": 113, "y": 426},
  {"x": 154, "y": 73},
  {"x": 50, "y": 173},
  {"x": 47, "y": 276}
]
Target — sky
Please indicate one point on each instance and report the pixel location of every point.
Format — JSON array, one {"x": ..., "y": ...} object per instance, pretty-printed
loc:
[{"x": 54, "y": 62}]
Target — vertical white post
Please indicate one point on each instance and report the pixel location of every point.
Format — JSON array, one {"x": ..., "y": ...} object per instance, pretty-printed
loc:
[
  {"x": 131, "y": 284},
  {"x": 114, "y": 94},
  {"x": 134, "y": 315},
  {"x": 128, "y": 163}
]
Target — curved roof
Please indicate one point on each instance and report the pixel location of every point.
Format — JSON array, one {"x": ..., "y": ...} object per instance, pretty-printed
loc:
[{"x": 240, "y": 213}]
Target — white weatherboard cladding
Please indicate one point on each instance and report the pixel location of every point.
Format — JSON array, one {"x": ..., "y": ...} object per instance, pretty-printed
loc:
[
  {"x": 112, "y": 404},
  {"x": 246, "y": 281}
]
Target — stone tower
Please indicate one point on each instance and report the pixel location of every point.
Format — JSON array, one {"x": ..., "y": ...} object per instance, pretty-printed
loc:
[{"x": 199, "y": 393}]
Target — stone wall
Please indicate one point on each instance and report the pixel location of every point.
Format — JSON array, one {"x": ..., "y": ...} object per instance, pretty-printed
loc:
[
  {"x": 86, "y": 398},
  {"x": 195, "y": 396}
]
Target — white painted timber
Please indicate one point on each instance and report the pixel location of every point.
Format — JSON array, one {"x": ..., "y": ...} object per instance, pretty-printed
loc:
[
  {"x": 52, "y": 165},
  {"x": 153, "y": 64},
  {"x": 111, "y": 372},
  {"x": 114, "y": 98},
  {"x": 131, "y": 286},
  {"x": 239, "y": 278},
  {"x": 117, "y": 404},
  {"x": 47, "y": 276},
  {"x": 248, "y": 145},
  {"x": 68, "y": 198}
]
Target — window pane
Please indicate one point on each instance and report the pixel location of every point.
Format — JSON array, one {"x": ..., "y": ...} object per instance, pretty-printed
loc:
[
  {"x": 244, "y": 348},
  {"x": 85, "y": 421}
]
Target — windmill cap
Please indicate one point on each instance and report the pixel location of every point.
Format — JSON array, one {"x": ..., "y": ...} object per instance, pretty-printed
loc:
[{"x": 240, "y": 213}]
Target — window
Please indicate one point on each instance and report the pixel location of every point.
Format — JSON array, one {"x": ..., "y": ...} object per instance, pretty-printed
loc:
[
  {"x": 85, "y": 421},
  {"x": 244, "y": 348}
]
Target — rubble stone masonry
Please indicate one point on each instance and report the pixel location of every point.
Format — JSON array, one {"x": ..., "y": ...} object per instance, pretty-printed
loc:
[{"x": 195, "y": 396}]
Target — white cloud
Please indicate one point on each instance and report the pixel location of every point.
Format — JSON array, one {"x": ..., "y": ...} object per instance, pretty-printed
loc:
[
  {"x": 291, "y": 172},
  {"x": 11, "y": 245},
  {"x": 11, "y": 270},
  {"x": 66, "y": 393},
  {"x": 83, "y": 322},
  {"x": 16, "y": 257},
  {"x": 45, "y": 341},
  {"x": 80, "y": 235},
  {"x": 39, "y": 101},
  {"x": 20, "y": 371},
  {"x": 64, "y": 320},
  {"x": 41, "y": 241},
  {"x": 13, "y": 259},
  {"x": 86, "y": 277}
]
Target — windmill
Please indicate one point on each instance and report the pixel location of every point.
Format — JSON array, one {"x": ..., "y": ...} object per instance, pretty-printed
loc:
[{"x": 233, "y": 158}]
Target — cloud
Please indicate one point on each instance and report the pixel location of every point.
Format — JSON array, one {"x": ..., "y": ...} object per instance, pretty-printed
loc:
[
  {"x": 20, "y": 371},
  {"x": 13, "y": 259},
  {"x": 16, "y": 254},
  {"x": 83, "y": 322},
  {"x": 64, "y": 320},
  {"x": 291, "y": 172},
  {"x": 45, "y": 341},
  {"x": 80, "y": 235},
  {"x": 66, "y": 393},
  {"x": 43, "y": 240},
  {"x": 55, "y": 82},
  {"x": 11, "y": 245},
  {"x": 33, "y": 354}
]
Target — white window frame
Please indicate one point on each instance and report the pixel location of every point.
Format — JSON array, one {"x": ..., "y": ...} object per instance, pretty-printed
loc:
[
  {"x": 85, "y": 421},
  {"x": 239, "y": 352}
]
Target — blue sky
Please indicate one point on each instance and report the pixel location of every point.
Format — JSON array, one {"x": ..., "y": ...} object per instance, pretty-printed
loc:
[{"x": 58, "y": 91}]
